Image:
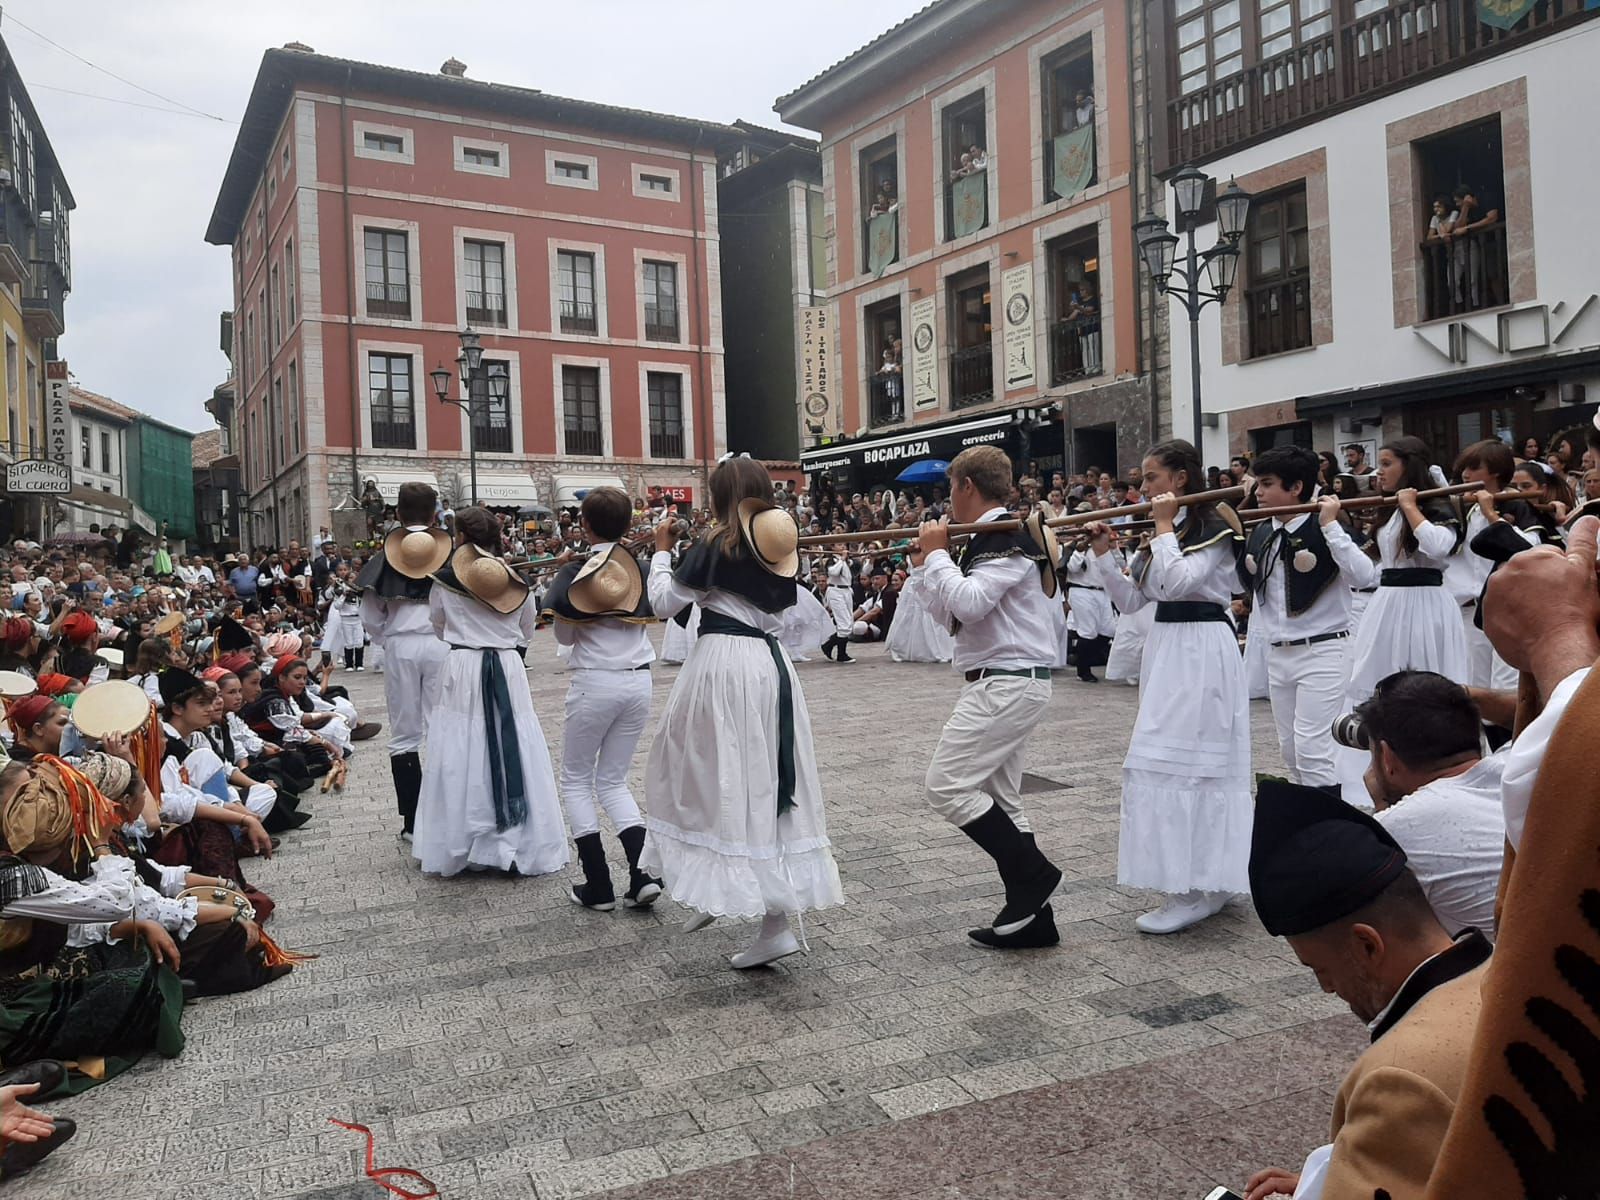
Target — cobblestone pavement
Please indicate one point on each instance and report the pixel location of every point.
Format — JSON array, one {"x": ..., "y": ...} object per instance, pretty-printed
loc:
[{"x": 508, "y": 1044}]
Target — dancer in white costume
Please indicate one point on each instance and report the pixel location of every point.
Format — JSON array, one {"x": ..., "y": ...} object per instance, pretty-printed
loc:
[
  {"x": 915, "y": 636},
  {"x": 1186, "y": 808},
  {"x": 841, "y": 601},
  {"x": 1412, "y": 623},
  {"x": 1093, "y": 618},
  {"x": 808, "y": 625},
  {"x": 1492, "y": 464},
  {"x": 732, "y": 795},
  {"x": 488, "y": 792}
]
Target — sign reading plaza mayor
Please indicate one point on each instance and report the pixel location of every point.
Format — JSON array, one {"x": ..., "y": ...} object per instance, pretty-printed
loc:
[
  {"x": 819, "y": 388},
  {"x": 924, "y": 370},
  {"x": 38, "y": 476},
  {"x": 1016, "y": 291},
  {"x": 57, "y": 414}
]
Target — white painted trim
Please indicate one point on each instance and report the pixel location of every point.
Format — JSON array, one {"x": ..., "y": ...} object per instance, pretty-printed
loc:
[
  {"x": 985, "y": 82},
  {"x": 513, "y": 362},
  {"x": 421, "y": 393},
  {"x": 558, "y": 414},
  {"x": 358, "y": 142},
  {"x": 865, "y": 299},
  {"x": 602, "y": 323},
  {"x": 686, "y": 402},
  {"x": 680, "y": 262},
  {"x": 461, "y": 235},
  {"x": 359, "y": 224},
  {"x": 591, "y": 184},
  {"x": 462, "y": 144},
  {"x": 640, "y": 170}
]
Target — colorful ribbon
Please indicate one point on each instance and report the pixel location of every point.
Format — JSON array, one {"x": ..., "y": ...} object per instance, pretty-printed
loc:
[{"x": 377, "y": 1174}]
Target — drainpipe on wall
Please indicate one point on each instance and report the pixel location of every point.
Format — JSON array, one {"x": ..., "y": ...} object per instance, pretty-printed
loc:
[
  {"x": 708, "y": 431},
  {"x": 352, "y": 366},
  {"x": 1152, "y": 358}
]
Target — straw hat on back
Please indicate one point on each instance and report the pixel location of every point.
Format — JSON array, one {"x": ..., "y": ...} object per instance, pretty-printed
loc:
[
  {"x": 486, "y": 578},
  {"x": 771, "y": 536},
  {"x": 608, "y": 584},
  {"x": 416, "y": 553}
]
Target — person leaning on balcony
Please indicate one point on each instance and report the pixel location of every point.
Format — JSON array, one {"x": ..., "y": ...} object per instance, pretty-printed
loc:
[{"x": 1467, "y": 261}]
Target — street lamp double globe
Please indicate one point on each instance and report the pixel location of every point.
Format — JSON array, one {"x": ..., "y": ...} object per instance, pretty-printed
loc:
[
  {"x": 1158, "y": 248},
  {"x": 496, "y": 387}
]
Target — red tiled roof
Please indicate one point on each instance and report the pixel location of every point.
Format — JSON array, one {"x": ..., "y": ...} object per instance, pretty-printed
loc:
[
  {"x": 206, "y": 448},
  {"x": 83, "y": 398}
]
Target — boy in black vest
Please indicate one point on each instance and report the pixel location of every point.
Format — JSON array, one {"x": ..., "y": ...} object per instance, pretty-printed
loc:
[{"x": 1300, "y": 571}]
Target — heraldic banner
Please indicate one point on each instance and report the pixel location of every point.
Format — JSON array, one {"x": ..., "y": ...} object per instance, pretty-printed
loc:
[{"x": 1074, "y": 162}]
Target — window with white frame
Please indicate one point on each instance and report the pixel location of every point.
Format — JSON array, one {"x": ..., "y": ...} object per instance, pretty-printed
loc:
[
  {"x": 277, "y": 416},
  {"x": 293, "y": 417},
  {"x": 584, "y": 434},
  {"x": 276, "y": 283},
  {"x": 664, "y": 395},
  {"x": 491, "y": 414},
  {"x": 565, "y": 168},
  {"x": 660, "y": 301},
  {"x": 575, "y": 283},
  {"x": 388, "y": 275},
  {"x": 479, "y": 156},
  {"x": 389, "y": 383},
  {"x": 485, "y": 265},
  {"x": 655, "y": 183},
  {"x": 105, "y": 452},
  {"x": 383, "y": 142},
  {"x": 85, "y": 448}
]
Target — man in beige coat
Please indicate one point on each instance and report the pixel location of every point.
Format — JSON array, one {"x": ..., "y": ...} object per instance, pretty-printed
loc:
[{"x": 1333, "y": 881}]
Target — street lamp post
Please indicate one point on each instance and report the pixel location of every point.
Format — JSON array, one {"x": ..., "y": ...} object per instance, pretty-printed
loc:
[
  {"x": 1158, "y": 248},
  {"x": 471, "y": 369}
]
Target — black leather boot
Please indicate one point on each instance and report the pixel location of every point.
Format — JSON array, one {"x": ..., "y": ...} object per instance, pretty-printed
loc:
[
  {"x": 595, "y": 891},
  {"x": 407, "y": 771},
  {"x": 643, "y": 889},
  {"x": 1035, "y": 934},
  {"x": 1029, "y": 876}
]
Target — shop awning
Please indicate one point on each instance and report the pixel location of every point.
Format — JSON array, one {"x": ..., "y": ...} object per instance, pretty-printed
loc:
[
  {"x": 505, "y": 488},
  {"x": 571, "y": 489},
  {"x": 88, "y": 497},
  {"x": 389, "y": 482}
]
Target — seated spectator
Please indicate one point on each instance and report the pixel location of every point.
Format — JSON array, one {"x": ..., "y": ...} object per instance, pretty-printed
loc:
[
  {"x": 875, "y": 613},
  {"x": 1435, "y": 794}
]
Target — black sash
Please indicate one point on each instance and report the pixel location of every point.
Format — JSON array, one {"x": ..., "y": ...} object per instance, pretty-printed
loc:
[
  {"x": 712, "y": 621},
  {"x": 1181, "y": 612},
  {"x": 1402, "y": 577}
]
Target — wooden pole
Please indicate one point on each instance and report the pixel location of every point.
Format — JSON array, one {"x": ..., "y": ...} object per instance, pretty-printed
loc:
[{"x": 1289, "y": 510}]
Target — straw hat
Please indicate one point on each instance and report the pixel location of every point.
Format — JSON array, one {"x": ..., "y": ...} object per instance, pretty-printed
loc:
[
  {"x": 14, "y": 685},
  {"x": 110, "y": 655},
  {"x": 1045, "y": 538},
  {"x": 607, "y": 585},
  {"x": 416, "y": 553},
  {"x": 488, "y": 579},
  {"x": 113, "y": 707},
  {"x": 771, "y": 535},
  {"x": 173, "y": 620}
]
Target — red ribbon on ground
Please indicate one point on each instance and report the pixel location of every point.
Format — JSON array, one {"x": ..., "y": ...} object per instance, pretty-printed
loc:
[{"x": 377, "y": 1174}]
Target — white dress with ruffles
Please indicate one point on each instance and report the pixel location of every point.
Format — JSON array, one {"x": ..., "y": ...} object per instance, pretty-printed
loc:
[
  {"x": 711, "y": 781},
  {"x": 1409, "y": 628},
  {"x": 914, "y": 635},
  {"x": 1187, "y": 812}
]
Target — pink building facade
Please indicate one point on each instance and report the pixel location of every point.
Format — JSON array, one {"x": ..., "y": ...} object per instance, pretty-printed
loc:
[{"x": 373, "y": 213}]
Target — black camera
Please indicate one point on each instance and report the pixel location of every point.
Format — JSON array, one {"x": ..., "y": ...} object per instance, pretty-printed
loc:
[{"x": 1349, "y": 729}]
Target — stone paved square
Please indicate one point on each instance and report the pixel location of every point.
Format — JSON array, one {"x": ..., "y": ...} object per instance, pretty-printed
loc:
[{"x": 508, "y": 1044}]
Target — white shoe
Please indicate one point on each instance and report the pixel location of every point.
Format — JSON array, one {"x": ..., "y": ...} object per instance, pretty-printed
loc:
[
  {"x": 405, "y": 837},
  {"x": 698, "y": 922},
  {"x": 766, "y": 950},
  {"x": 1180, "y": 912}
]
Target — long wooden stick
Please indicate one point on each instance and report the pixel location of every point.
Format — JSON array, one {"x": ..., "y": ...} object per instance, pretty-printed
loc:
[
  {"x": 1005, "y": 526},
  {"x": 1289, "y": 510}
]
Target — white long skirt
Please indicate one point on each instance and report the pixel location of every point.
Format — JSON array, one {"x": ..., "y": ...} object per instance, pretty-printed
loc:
[
  {"x": 711, "y": 790},
  {"x": 455, "y": 826},
  {"x": 1187, "y": 813},
  {"x": 1127, "y": 644},
  {"x": 806, "y": 625},
  {"x": 914, "y": 636},
  {"x": 1407, "y": 628},
  {"x": 678, "y": 640}
]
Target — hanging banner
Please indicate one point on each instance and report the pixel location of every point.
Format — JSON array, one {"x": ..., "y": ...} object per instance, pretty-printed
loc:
[
  {"x": 819, "y": 388},
  {"x": 883, "y": 242},
  {"x": 1074, "y": 162},
  {"x": 1504, "y": 14},
  {"x": 1016, "y": 291},
  {"x": 57, "y": 413},
  {"x": 924, "y": 368},
  {"x": 969, "y": 203}
]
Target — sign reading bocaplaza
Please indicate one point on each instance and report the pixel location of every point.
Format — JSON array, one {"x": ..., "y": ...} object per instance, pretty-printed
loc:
[
  {"x": 819, "y": 386},
  {"x": 57, "y": 414},
  {"x": 924, "y": 368},
  {"x": 1016, "y": 290},
  {"x": 37, "y": 476}
]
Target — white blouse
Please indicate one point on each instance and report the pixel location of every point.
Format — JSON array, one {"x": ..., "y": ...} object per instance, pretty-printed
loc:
[
  {"x": 463, "y": 621},
  {"x": 1435, "y": 544},
  {"x": 1210, "y": 574}
]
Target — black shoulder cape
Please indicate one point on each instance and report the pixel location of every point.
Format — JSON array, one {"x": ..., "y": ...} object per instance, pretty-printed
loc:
[
  {"x": 1004, "y": 543},
  {"x": 704, "y": 566},
  {"x": 558, "y": 606},
  {"x": 379, "y": 577}
]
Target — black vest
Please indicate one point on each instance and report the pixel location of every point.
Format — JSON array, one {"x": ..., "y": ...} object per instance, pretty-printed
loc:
[
  {"x": 1002, "y": 543},
  {"x": 705, "y": 567},
  {"x": 379, "y": 577},
  {"x": 1305, "y": 578}
]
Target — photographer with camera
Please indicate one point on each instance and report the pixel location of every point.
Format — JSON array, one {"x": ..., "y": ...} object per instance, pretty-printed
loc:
[{"x": 1435, "y": 793}]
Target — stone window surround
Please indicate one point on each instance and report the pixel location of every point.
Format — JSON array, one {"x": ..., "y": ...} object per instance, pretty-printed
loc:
[
  {"x": 1091, "y": 25},
  {"x": 360, "y": 129},
  {"x": 1097, "y": 217},
  {"x": 641, "y": 255},
  {"x": 686, "y": 394},
  {"x": 460, "y": 235},
  {"x": 558, "y": 400},
  {"x": 358, "y": 239},
  {"x": 365, "y": 347},
  {"x": 983, "y": 81},
  {"x": 460, "y": 145},
  {"x": 1406, "y": 223},
  {"x": 552, "y": 157},
  {"x": 1310, "y": 168},
  {"x": 513, "y": 362},
  {"x": 989, "y": 256},
  {"x": 898, "y": 289},
  {"x": 638, "y": 171},
  {"x": 602, "y": 323},
  {"x": 895, "y": 129}
]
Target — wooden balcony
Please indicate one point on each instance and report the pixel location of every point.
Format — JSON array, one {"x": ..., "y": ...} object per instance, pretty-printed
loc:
[{"x": 1359, "y": 59}]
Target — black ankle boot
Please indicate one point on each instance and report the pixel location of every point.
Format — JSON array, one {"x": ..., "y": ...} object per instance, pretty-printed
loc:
[
  {"x": 844, "y": 650},
  {"x": 827, "y": 646},
  {"x": 1035, "y": 935},
  {"x": 595, "y": 891},
  {"x": 1029, "y": 876},
  {"x": 407, "y": 771},
  {"x": 643, "y": 889}
]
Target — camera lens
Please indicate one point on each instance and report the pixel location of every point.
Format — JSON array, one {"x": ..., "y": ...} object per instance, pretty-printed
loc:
[{"x": 1350, "y": 730}]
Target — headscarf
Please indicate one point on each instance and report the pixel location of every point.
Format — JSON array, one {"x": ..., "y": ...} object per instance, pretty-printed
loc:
[
  {"x": 282, "y": 645},
  {"x": 236, "y": 662},
  {"x": 17, "y": 632},
  {"x": 284, "y": 663},
  {"x": 79, "y": 627},
  {"x": 215, "y": 674},
  {"x": 53, "y": 683},
  {"x": 24, "y": 714}
]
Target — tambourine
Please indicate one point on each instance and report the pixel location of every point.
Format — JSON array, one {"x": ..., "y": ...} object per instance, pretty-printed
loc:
[
  {"x": 113, "y": 707},
  {"x": 235, "y": 900}
]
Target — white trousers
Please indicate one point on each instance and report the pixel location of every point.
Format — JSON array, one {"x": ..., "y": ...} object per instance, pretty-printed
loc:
[
  {"x": 841, "y": 607},
  {"x": 606, "y": 715},
  {"x": 979, "y": 756},
  {"x": 1308, "y": 688},
  {"x": 412, "y": 663}
]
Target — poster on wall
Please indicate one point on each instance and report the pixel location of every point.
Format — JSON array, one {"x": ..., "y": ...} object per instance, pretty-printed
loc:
[
  {"x": 924, "y": 368},
  {"x": 1016, "y": 291},
  {"x": 819, "y": 387},
  {"x": 57, "y": 413}
]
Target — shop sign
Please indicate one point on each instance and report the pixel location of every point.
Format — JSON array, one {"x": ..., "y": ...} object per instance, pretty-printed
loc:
[
  {"x": 1016, "y": 287},
  {"x": 37, "y": 476},
  {"x": 57, "y": 413},
  {"x": 819, "y": 385},
  {"x": 924, "y": 369}
]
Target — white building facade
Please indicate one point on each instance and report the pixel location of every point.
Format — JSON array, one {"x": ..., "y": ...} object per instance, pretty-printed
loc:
[{"x": 97, "y": 445}]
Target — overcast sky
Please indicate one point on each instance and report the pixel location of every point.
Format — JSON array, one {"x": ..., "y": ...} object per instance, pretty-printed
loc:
[{"x": 142, "y": 316}]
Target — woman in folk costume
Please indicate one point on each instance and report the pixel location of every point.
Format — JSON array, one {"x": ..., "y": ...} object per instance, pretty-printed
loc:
[
  {"x": 841, "y": 601},
  {"x": 733, "y": 802},
  {"x": 1186, "y": 806},
  {"x": 274, "y": 714},
  {"x": 1412, "y": 622},
  {"x": 914, "y": 636},
  {"x": 488, "y": 799}
]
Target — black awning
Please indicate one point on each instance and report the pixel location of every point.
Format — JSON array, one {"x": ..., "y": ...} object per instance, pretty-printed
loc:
[{"x": 1452, "y": 384}]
